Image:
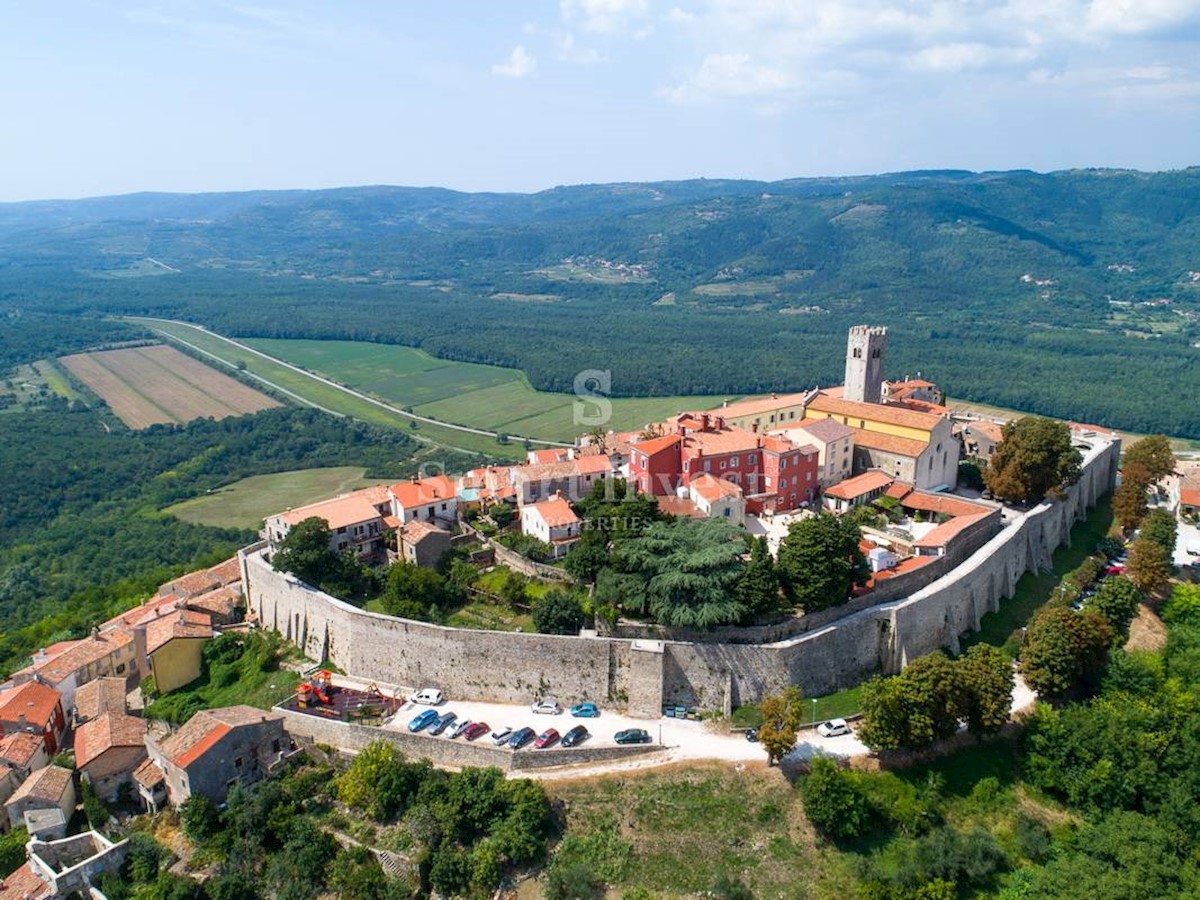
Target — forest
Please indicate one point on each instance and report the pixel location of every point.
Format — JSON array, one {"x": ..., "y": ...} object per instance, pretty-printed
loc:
[
  {"x": 1007, "y": 288},
  {"x": 81, "y": 532}
]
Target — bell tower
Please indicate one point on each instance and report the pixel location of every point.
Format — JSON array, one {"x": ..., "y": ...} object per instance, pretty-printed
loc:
[{"x": 865, "y": 349}]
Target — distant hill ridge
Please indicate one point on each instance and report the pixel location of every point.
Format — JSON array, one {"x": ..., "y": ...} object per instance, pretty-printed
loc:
[{"x": 1008, "y": 287}]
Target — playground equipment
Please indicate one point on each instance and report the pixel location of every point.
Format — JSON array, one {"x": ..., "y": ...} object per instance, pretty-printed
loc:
[{"x": 318, "y": 688}]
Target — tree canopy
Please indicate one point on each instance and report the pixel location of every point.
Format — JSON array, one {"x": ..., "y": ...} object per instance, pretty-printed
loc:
[
  {"x": 1065, "y": 651},
  {"x": 820, "y": 561},
  {"x": 1035, "y": 460}
]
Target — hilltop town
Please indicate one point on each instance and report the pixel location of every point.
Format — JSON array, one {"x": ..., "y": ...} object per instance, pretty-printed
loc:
[{"x": 938, "y": 554}]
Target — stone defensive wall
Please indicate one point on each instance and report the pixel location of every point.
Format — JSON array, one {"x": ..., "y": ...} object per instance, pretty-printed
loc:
[{"x": 643, "y": 675}]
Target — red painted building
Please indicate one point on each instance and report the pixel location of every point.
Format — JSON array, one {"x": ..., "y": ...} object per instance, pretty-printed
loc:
[
  {"x": 774, "y": 473},
  {"x": 34, "y": 708}
]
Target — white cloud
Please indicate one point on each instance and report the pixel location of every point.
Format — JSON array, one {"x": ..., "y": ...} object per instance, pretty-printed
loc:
[
  {"x": 569, "y": 51},
  {"x": 800, "y": 50},
  {"x": 518, "y": 65},
  {"x": 607, "y": 16}
]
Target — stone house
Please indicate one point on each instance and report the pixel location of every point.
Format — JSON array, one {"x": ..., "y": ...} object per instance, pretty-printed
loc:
[
  {"x": 24, "y": 752},
  {"x": 47, "y": 788},
  {"x": 75, "y": 663},
  {"x": 108, "y": 749},
  {"x": 213, "y": 751},
  {"x": 423, "y": 543},
  {"x": 103, "y": 695}
]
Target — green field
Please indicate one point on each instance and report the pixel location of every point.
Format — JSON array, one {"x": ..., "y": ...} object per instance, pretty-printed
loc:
[
  {"x": 490, "y": 397},
  {"x": 304, "y": 389},
  {"x": 245, "y": 503}
]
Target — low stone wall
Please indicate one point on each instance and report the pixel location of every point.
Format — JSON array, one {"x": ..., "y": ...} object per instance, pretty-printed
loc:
[
  {"x": 442, "y": 751},
  {"x": 838, "y": 648}
]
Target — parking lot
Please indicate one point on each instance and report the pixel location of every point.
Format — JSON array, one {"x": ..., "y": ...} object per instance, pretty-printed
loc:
[{"x": 678, "y": 739}]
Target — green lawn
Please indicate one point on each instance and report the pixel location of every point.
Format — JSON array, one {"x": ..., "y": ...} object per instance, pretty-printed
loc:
[
  {"x": 1033, "y": 590},
  {"x": 831, "y": 706},
  {"x": 245, "y": 503}
]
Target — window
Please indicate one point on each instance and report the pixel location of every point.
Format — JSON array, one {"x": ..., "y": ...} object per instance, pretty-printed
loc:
[
  {"x": 733, "y": 460},
  {"x": 443, "y": 507},
  {"x": 342, "y": 530},
  {"x": 722, "y": 464},
  {"x": 858, "y": 352},
  {"x": 792, "y": 414},
  {"x": 121, "y": 669},
  {"x": 237, "y": 762},
  {"x": 751, "y": 458},
  {"x": 275, "y": 745},
  {"x": 772, "y": 417},
  {"x": 727, "y": 510},
  {"x": 782, "y": 483},
  {"x": 767, "y": 481},
  {"x": 708, "y": 465}
]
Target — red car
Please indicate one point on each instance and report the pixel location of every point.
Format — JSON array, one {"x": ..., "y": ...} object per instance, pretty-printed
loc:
[
  {"x": 546, "y": 738},
  {"x": 479, "y": 729}
]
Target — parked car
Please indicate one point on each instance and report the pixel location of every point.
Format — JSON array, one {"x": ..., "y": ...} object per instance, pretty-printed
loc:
[
  {"x": 520, "y": 738},
  {"x": 477, "y": 730},
  {"x": 546, "y": 739},
  {"x": 576, "y": 735},
  {"x": 752, "y": 735},
  {"x": 1115, "y": 569},
  {"x": 423, "y": 720},
  {"x": 428, "y": 697},
  {"x": 458, "y": 728},
  {"x": 585, "y": 710},
  {"x": 546, "y": 706},
  {"x": 501, "y": 735},
  {"x": 833, "y": 728},
  {"x": 444, "y": 722},
  {"x": 632, "y": 736}
]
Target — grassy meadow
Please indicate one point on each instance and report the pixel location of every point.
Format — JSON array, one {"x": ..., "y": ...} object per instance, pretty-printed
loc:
[{"x": 245, "y": 503}]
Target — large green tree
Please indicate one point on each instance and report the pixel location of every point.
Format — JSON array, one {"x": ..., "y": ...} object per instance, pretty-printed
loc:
[
  {"x": 758, "y": 587},
  {"x": 833, "y": 802},
  {"x": 1161, "y": 527},
  {"x": 558, "y": 612},
  {"x": 986, "y": 677},
  {"x": 915, "y": 708},
  {"x": 305, "y": 552},
  {"x": 1035, "y": 459},
  {"x": 1149, "y": 566},
  {"x": 1064, "y": 651},
  {"x": 1129, "y": 503},
  {"x": 1151, "y": 455},
  {"x": 1117, "y": 601},
  {"x": 416, "y": 592},
  {"x": 682, "y": 572},
  {"x": 781, "y": 717},
  {"x": 820, "y": 561}
]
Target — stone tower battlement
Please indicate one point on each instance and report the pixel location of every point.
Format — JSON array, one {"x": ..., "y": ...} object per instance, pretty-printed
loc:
[{"x": 866, "y": 347}]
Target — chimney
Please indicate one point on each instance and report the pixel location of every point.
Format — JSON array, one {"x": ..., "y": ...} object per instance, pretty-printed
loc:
[
  {"x": 720, "y": 423},
  {"x": 704, "y": 421}
]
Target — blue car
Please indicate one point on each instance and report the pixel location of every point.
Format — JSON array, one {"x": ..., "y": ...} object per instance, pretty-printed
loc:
[
  {"x": 521, "y": 738},
  {"x": 443, "y": 722},
  {"x": 585, "y": 710},
  {"x": 423, "y": 720}
]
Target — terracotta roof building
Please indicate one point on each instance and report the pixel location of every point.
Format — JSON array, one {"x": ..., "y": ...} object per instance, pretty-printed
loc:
[
  {"x": 25, "y": 753},
  {"x": 103, "y": 695},
  {"x": 35, "y": 708},
  {"x": 355, "y": 522},
  {"x": 108, "y": 652},
  {"x": 47, "y": 788},
  {"x": 108, "y": 749},
  {"x": 553, "y": 522},
  {"x": 215, "y": 749}
]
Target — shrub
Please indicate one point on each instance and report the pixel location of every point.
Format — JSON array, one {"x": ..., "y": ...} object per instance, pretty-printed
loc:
[{"x": 833, "y": 803}]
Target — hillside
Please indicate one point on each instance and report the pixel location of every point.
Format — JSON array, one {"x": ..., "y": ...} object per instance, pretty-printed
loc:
[{"x": 707, "y": 286}]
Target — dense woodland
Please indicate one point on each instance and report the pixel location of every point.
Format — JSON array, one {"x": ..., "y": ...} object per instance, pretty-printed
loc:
[
  {"x": 1010, "y": 288},
  {"x": 81, "y": 527}
]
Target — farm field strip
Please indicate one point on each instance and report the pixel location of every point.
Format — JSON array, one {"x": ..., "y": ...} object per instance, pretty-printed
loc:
[
  {"x": 133, "y": 408},
  {"x": 470, "y": 394},
  {"x": 149, "y": 385},
  {"x": 315, "y": 391}
]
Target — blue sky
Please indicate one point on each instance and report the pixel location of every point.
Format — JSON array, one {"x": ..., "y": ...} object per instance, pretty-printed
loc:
[{"x": 113, "y": 97}]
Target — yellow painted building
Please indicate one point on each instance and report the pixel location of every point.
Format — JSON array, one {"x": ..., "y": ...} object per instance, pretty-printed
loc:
[
  {"x": 893, "y": 420},
  {"x": 174, "y": 648},
  {"x": 763, "y": 414}
]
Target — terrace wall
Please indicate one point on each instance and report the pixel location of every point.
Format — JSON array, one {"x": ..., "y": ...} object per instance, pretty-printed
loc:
[{"x": 514, "y": 667}]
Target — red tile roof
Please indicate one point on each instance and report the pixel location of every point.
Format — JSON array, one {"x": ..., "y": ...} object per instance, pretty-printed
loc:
[
  {"x": 99, "y": 696},
  {"x": 20, "y": 748},
  {"x": 94, "y": 738},
  {"x": 415, "y": 532},
  {"x": 148, "y": 774},
  {"x": 204, "y": 742},
  {"x": 714, "y": 489},
  {"x": 652, "y": 446},
  {"x": 947, "y": 531},
  {"x": 555, "y": 512},
  {"x": 47, "y": 784},
  {"x": 1189, "y": 495},
  {"x": 340, "y": 512},
  {"x": 889, "y": 443},
  {"x": 85, "y": 652},
  {"x": 754, "y": 405},
  {"x": 679, "y": 506},
  {"x": 549, "y": 455},
  {"x": 35, "y": 701},
  {"x": 892, "y": 415},
  {"x": 855, "y": 487},
  {"x": 943, "y": 504},
  {"x": 202, "y": 731},
  {"x": 823, "y": 430},
  {"x": 24, "y": 884},
  {"x": 410, "y": 494},
  {"x": 182, "y": 624}
]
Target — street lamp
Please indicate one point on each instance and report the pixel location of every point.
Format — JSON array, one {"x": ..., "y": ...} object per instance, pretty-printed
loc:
[{"x": 814, "y": 718}]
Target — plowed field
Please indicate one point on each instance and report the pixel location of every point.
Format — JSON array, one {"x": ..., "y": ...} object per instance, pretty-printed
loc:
[{"x": 150, "y": 385}]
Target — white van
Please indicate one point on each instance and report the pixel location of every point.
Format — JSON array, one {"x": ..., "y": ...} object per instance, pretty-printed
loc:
[{"x": 428, "y": 697}]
